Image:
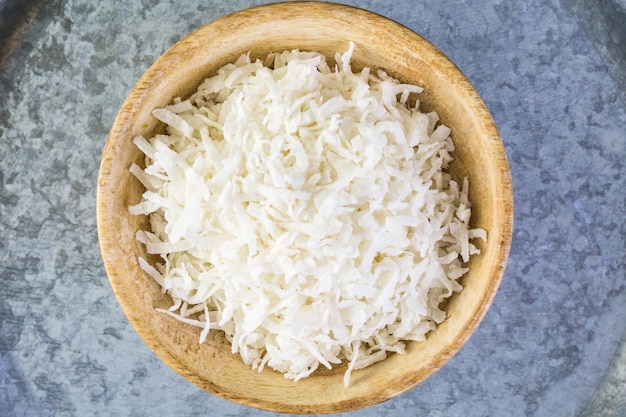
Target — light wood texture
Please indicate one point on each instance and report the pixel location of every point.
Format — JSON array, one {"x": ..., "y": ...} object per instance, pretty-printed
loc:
[{"x": 326, "y": 28}]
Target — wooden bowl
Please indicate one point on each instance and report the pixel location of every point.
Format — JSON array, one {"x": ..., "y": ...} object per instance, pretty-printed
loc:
[{"x": 326, "y": 28}]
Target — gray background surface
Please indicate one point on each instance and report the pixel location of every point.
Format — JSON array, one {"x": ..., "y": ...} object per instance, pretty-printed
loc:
[{"x": 553, "y": 74}]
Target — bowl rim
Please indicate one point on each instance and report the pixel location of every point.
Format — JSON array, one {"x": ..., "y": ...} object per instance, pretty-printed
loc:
[{"x": 106, "y": 193}]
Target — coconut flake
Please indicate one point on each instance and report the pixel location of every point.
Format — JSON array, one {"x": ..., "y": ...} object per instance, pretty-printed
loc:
[{"x": 305, "y": 212}]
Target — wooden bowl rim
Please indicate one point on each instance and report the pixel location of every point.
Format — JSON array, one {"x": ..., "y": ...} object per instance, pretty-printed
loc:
[{"x": 106, "y": 191}]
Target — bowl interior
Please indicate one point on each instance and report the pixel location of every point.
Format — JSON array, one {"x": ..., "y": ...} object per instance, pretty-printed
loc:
[{"x": 326, "y": 28}]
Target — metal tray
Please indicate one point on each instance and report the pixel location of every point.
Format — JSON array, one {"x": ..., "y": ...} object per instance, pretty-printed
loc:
[{"x": 552, "y": 72}]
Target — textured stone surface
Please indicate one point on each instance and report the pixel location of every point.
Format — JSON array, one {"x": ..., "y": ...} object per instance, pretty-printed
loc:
[{"x": 552, "y": 72}]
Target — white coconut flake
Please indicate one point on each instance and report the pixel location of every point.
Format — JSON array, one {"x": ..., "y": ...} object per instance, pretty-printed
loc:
[{"x": 305, "y": 212}]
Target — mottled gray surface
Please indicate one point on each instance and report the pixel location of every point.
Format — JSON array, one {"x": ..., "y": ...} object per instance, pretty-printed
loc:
[{"x": 552, "y": 72}]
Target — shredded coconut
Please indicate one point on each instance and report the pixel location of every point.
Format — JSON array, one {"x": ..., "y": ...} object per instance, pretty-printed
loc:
[{"x": 305, "y": 211}]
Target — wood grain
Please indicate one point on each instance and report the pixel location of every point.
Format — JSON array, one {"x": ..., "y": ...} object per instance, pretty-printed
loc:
[{"x": 326, "y": 28}]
